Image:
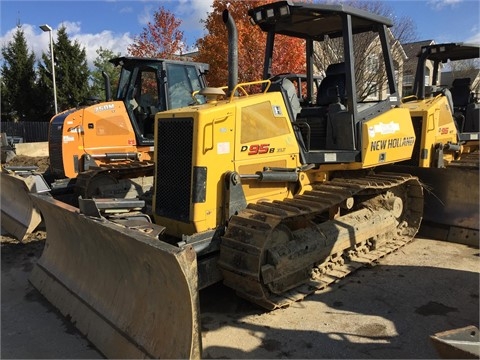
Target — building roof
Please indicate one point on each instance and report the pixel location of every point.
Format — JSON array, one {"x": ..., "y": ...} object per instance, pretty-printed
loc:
[{"x": 412, "y": 50}]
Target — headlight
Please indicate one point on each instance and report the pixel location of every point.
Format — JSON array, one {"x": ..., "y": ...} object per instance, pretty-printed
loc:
[{"x": 284, "y": 11}]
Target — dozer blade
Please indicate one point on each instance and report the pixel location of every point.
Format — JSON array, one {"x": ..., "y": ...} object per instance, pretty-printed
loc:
[
  {"x": 131, "y": 295},
  {"x": 451, "y": 200},
  {"x": 19, "y": 215},
  {"x": 463, "y": 343}
]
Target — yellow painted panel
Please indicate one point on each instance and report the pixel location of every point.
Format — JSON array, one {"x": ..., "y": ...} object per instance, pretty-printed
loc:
[{"x": 388, "y": 138}]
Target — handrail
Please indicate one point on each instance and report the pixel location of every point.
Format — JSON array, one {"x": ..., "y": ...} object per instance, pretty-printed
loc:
[{"x": 241, "y": 87}]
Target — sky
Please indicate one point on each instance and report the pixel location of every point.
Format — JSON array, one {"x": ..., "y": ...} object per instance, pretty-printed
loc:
[{"x": 113, "y": 24}]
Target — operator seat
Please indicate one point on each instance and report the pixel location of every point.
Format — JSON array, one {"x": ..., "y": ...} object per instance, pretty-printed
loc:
[
  {"x": 472, "y": 119},
  {"x": 332, "y": 87},
  {"x": 461, "y": 92},
  {"x": 461, "y": 97},
  {"x": 148, "y": 109}
]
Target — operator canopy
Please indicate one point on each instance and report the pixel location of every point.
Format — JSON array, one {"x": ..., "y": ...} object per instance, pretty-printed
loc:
[{"x": 313, "y": 21}]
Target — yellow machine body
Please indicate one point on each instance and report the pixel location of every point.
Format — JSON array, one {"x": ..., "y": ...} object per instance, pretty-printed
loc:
[
  {"x": 446, "y": 120},
  {"x": 244, "y": 134},
  {"x": 388, "y": 138},
  {"x": 248, "y": 134},
  {"x": 435, "y": 123}
]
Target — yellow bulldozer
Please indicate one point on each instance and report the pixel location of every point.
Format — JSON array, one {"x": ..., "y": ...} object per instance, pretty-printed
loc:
[
  {"x": 251, "y": 188},
  {"x": 446, "y": 118}
]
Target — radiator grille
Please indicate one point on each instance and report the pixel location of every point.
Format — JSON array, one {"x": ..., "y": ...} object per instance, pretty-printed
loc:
[{"x": 174, "y": 168}]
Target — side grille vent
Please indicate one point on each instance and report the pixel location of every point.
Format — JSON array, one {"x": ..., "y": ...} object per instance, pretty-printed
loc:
[{"x": 174, "y": 168}]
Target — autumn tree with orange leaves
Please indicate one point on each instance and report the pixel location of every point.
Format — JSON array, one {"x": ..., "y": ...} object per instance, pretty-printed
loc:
[
  {"x": 161, "y": 38},
  {"x": 289, "y": 55}
]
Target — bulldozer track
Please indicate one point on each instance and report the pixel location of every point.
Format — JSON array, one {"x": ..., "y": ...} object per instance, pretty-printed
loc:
[
  {"x": 467, "y": 161},
  {"x": 86, "y": 181},
  {"x": 276, "y": 253}
]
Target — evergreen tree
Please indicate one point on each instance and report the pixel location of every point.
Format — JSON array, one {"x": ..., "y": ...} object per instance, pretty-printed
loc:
[
  {"x": 102, "y": 63},
  {"x": 18, "y": 80},
  {"x": 71, "y": 72},
  {"x": 43, "y": 101}
]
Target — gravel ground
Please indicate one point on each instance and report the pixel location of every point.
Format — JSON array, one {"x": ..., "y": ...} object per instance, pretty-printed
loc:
[{"x": 386, "y": 311}]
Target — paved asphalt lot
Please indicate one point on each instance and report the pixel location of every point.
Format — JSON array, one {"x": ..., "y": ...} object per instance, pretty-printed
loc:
[{"x": 385, "y": 311}]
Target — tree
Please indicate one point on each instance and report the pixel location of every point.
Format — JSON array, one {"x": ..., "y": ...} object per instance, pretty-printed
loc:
[
  {"x": 102, "y": 63},
  {"x": 213, "y": 48},
  {"x": 71, "y": 72},
  {"x": 369, "y": 74},
  {"x": 18, "y": 79},
  {"x": 465, "y": 68},
  {"x": 160, "y": 38}
]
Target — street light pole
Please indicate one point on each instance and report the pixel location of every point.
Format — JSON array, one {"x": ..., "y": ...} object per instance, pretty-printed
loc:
[{"x": 48, "y": 29}]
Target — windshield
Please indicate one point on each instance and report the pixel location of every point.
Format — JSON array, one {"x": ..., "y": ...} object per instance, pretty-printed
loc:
[
  {"x": 183, "y": 80},
  {"x": 123, "y": 84}
]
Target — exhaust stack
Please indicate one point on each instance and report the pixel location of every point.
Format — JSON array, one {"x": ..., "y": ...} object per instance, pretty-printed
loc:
[
  {"x": 232, "y": 50},
  {"x": 108, "y": 90}
]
